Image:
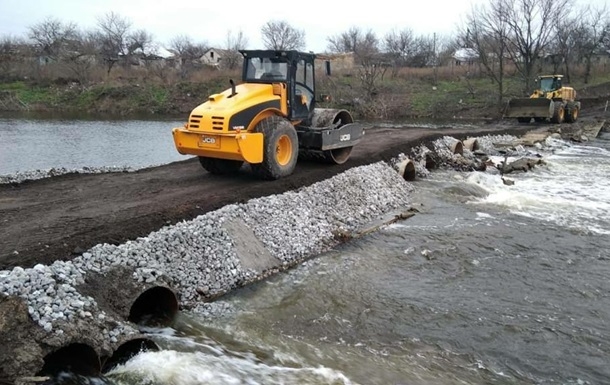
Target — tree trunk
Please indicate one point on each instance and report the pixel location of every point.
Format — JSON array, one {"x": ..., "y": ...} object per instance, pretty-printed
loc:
[{"x": 587, "y": 69}]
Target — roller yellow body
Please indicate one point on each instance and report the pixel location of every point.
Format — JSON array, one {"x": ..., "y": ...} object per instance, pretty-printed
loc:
[
  {"x": 222, "y": 126},
  {"x": 268, "y": 121}
]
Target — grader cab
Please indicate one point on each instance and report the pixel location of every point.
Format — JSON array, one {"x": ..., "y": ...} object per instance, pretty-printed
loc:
[
  {"x": 268, "y": 120},
  {"x": 550, "y": 101}
]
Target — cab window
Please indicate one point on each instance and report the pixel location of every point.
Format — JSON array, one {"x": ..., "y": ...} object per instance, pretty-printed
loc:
[
  {"x": 309, "y": 76},
  {"x": 266, "y": 69},
  {"x": 300, "y": 76}
]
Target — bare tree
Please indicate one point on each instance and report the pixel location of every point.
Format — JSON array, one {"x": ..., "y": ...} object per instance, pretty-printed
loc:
[
  {"x": 424, "y": 54},
  {"x": 487, "y": 33},
  {"x": 531, "y": 24},
  {"x": 571, "y": 32},
  {"x": 595, "y": 29},
  {"x": 232, "y": 58},
  {"x": 280, "y": 35},
  {"x": 365, "y": 47},
  {"x": 187, "y": 53},
  {"x": 113, "y": 38},
  {"x": 400, "y": 46},
  {"x": 79, "y": 56},
  {"x": 11, "y": 55},
  {"x": 446, "y": 47},
  {"x": 51, "y": 36},
  {"x": 140, "y": 41}
]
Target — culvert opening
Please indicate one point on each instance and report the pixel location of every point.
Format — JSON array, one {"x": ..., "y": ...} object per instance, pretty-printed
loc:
[
  {"x": 156, "y": 306},
  {"x": 75, "y": 358},
  {"x": 430, "y": 162},
  {"x": 472, "y": 144},
  {"x": 127, "y": 351},
  {"x": 409, "y": 171},
  {"x": 458, "y": 148}
]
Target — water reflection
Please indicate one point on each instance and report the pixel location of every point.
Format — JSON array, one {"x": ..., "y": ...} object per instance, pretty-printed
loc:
[{"x": 29, "y": 144}]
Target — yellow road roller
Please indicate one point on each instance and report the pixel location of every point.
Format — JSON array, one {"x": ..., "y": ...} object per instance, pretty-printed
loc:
[{"x": 268, "y": 120}]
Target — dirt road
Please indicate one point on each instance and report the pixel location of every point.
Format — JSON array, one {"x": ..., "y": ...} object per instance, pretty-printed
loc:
[{"x": 58, "y": 218}]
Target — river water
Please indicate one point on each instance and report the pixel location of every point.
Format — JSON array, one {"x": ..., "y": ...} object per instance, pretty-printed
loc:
[
  {"x": 35, "y": 144},
  {"x": 488, "y": 284}
]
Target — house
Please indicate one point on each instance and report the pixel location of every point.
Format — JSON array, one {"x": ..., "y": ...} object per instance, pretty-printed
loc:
[
  {"x": 601, "y": 57},
  {"x": 465, "y": 56},
  {"x": 338, "y": 61},
  {"x": 213, "y": 56}
]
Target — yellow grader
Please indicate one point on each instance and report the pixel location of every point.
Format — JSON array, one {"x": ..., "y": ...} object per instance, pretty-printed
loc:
[
  {"x": 551, "y": 101},
  {"x": 268, "y": 120}
]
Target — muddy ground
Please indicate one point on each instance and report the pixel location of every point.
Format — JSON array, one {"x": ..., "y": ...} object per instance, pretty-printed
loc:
[{"x": 59, "y": 218}]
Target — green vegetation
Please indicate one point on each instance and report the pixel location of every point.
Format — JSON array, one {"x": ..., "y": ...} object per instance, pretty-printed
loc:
[{"x": 451, "y": 93}]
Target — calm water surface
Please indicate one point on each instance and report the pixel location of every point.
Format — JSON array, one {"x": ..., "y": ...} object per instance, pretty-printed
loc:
[{"x": 33, "y": 144}]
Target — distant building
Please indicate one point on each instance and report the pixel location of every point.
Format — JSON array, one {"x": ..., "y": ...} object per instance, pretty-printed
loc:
[
  {"x": 338, "y": 61},
  {"x": 465, "y": 56},
  {"x": 214, "y": 56}
]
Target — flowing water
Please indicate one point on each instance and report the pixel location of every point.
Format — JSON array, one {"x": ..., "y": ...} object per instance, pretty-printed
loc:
[{"x": 489, "y": 284}]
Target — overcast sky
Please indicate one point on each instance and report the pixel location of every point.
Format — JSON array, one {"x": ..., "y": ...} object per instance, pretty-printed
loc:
[{"x": 210, "y": 20}]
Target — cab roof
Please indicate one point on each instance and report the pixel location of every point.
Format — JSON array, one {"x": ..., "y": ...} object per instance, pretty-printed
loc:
[{"x": 288, "y": 54}]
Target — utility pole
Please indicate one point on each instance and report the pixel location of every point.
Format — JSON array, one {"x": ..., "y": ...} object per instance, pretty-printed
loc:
[{"x": 434, "y": 59}]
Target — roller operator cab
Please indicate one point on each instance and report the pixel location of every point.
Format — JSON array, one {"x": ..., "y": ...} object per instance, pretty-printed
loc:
[{"x": 268, "y": 120}]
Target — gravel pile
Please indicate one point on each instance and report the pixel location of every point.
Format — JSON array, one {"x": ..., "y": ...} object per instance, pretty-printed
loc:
[
  {"x": 20, "y": 177},
  {"x": 486, "y": 143},
  {"x": 443, "y": 148},
  {"x": 53, "y": 301},
  {"x": 199, "y": 256}
]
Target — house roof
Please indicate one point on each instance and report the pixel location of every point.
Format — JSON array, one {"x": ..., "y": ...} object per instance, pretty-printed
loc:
[
  {"x": 164, "y": 53},
  {"x": 465, "y": 54},
  {"x": 218, "y": 50}
]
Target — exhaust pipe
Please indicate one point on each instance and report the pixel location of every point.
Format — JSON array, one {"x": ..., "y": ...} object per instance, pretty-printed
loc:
[
  {"x": 79, "y": 359},
  {"x": 127, "y": 351},
  {"x": 156, "y": 306}
]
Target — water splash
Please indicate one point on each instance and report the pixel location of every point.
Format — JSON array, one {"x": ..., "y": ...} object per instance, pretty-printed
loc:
[
  {"x": 170, "y": 367},
  {"x": 572, "y": 190}
]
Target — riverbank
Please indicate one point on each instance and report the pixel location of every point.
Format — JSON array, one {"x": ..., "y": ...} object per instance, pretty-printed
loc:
[{"x": 452, "y": 97}]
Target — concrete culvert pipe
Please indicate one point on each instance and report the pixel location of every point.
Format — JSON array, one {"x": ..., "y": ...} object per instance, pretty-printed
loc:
[
  {"x": 156, "y": 306},
  {"x": 457, "y": 148},
  {"x": 406, "y": 169},
  {"x": 75, "y": 358},
  {"x": 128, "y": 350},
  {"x": 471, "y": 144}
]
